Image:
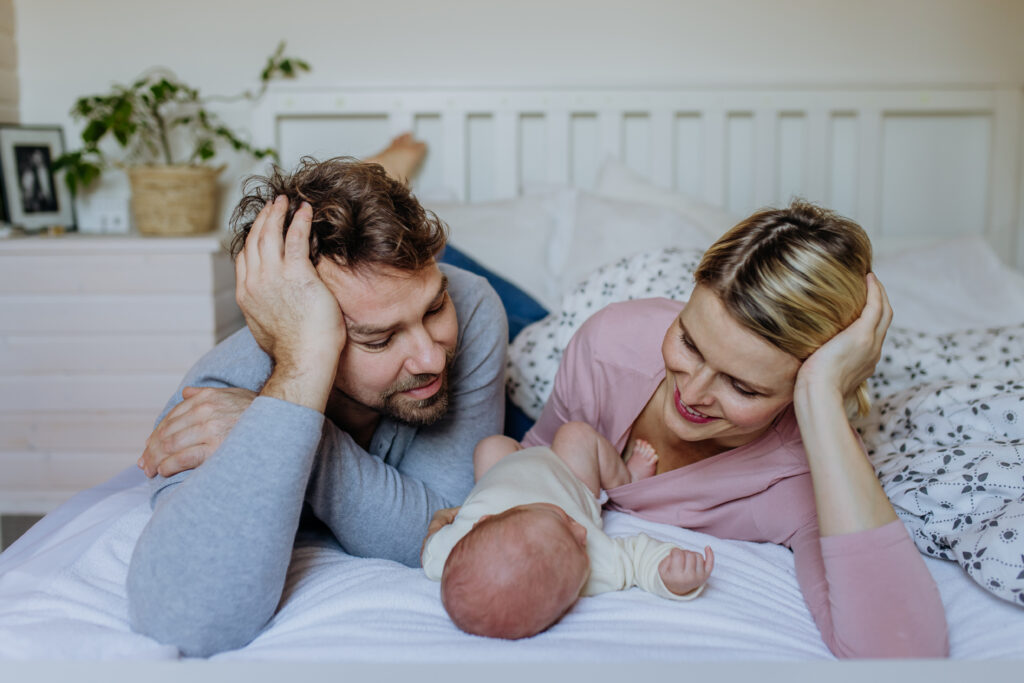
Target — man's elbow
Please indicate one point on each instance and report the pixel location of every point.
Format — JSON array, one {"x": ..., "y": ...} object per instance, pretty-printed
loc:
[{"x": 172, "y": 619}]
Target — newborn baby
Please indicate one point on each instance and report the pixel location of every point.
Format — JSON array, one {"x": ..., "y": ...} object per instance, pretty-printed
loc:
[{"x": 528, "y": 540}]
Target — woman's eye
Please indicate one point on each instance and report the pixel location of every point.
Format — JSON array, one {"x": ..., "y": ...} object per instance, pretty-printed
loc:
[
  {"x": 745, "y": 392},
  {"x": 686, "y": 342}
]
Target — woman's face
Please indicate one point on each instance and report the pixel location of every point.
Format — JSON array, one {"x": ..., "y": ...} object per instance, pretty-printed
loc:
[{"x": 723, "y": 383}]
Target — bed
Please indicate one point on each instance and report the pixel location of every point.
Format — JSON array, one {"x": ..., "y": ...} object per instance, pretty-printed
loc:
[{"x": 579, "y": 198}]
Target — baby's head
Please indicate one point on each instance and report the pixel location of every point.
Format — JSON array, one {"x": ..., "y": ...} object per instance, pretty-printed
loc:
[{"x": 516, "y": 573}]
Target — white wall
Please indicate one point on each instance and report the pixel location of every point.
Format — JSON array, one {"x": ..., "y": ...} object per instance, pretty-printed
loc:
[{"x": 67, "y": 49}]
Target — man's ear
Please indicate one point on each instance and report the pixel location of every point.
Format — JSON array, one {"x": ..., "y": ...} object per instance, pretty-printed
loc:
[{"x": 481, "y": 519}]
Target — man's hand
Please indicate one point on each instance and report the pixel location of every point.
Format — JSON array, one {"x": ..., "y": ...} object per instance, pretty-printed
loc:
[
  {"x": 442, "y": 518},
  {"x": 193, "y": 429},
  {"x": 684, "y": 570},
  {"x": 289, "y": 310}
]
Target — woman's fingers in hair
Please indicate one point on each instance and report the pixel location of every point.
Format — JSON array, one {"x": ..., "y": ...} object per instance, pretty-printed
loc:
[{"x": 881, "y": 310}]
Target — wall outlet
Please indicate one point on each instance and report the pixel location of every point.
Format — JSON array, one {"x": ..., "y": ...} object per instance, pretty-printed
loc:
[{"x": 107, "y": 215}]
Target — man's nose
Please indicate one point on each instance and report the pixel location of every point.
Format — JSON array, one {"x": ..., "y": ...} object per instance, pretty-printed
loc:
[{"x": 426, "y": 356}]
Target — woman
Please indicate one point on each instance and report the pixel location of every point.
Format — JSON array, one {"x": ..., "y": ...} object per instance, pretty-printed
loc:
[{"x": 746, "y": 407}]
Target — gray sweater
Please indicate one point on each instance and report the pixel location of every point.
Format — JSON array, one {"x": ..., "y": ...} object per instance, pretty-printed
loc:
[{"x": 209, "y": 569}]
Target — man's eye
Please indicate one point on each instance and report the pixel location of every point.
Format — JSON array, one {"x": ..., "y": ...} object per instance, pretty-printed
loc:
[
  {"x": 440, "y": 307},
  {"x": 378, "y": 345}
]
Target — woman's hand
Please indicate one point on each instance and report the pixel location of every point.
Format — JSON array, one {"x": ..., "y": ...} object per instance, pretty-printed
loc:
[{"x": 850, "y": 357}]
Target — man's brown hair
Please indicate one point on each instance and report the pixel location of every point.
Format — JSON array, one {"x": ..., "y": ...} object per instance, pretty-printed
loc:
[{"x": 361, "y": 217}]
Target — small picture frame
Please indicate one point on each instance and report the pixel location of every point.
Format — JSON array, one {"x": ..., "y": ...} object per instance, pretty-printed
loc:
[{"x": 34, "y": 197}]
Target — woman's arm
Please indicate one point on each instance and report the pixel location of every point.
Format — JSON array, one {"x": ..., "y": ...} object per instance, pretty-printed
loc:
[
  {"x": 846, "y": 490},
  {"x": 851, "y": 503}
]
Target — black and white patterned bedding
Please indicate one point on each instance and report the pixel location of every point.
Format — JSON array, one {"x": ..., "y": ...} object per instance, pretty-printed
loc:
[
  {"x": 945, "y": 433},
  {"x": 946, "y": 437}
]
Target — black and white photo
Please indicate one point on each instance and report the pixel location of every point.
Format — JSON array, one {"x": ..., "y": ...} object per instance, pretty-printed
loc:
[{"x": 35, "y": 198}]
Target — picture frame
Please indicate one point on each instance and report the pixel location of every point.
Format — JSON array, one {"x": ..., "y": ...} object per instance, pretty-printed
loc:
[{"x": 34, "y": 198}]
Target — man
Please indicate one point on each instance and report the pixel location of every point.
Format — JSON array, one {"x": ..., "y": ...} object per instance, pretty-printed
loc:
[{"x": 364, "y": 378}]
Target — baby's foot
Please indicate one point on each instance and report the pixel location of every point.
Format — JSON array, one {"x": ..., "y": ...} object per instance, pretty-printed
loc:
[
  {"x": 643, "y": 461},
  {"x": 402, "y": 157}
]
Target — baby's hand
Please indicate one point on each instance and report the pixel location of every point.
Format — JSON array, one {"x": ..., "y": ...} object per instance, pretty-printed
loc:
[
  {"x": 441, "y": 519},
  {"x": 643, "y": 461},
  {"x": 684, "y": 570}
]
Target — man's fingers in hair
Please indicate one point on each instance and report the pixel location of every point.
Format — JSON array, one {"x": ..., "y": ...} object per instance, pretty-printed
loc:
[
  {"x": 271, "y": 237},
  {"x": 251, "y": 248},
  {"x": 296, "y": 245}
]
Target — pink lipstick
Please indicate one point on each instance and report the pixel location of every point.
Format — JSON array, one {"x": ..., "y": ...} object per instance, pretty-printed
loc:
[{"x": 689, "y": 414}]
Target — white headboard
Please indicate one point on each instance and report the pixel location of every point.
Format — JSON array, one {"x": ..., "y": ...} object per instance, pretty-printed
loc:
[{"x": 911, "y": 165}]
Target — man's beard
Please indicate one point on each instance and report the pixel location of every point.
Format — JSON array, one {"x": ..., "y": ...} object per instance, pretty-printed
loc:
[{"x": 419, "y": 413}]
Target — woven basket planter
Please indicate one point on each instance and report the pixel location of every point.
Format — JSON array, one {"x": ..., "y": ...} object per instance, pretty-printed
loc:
[{"x": 174, "y": 200}]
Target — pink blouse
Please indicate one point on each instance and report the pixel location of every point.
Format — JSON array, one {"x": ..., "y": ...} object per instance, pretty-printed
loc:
[{"x": 869, "y": 592}]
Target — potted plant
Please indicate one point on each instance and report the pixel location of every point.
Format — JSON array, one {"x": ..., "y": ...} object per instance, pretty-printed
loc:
[{"x": 167, "y": 137}]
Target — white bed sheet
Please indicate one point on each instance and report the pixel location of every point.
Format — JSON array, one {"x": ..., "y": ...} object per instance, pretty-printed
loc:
[
  {"x": 63, "y": 596},
  {"x": 62, "y": 584}
]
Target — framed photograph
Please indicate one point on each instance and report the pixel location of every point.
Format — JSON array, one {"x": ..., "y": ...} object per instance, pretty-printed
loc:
[{"x": 34, "y": 198}]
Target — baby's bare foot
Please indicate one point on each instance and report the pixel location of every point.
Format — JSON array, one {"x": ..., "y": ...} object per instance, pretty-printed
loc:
[
  {"x": 643, "y": 462},
  {"x": 402, "y": 157}
]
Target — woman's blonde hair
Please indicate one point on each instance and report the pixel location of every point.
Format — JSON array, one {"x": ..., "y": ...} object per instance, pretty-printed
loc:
[{"x": 794, "y": 276}]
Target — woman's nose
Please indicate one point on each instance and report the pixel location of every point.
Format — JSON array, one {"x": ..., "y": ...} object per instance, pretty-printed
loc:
[{"x": 694, "y": 391}]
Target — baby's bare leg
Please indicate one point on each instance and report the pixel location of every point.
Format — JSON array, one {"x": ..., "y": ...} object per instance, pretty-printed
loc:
[
  {"x": 490, "y": 450},
  {"x": 590, "y": 456}
]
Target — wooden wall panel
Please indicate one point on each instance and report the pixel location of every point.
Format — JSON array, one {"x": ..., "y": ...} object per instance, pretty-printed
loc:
[
  {"x": 95, "y": 335},
  {"x": 8, "y": 64}
]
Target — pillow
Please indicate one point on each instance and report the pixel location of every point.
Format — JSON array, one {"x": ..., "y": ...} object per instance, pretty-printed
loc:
[
  {"x": 912, "y": 358},
  {"x": 617, "y": 181},
  {"x": 520, "y": 308},
  {"x": 950, "y": 457},
  {"x": 606, "y": 230},
  {"x": 513, "y": 238},
  {"x": 534, "y": 355},
  {"x": 951, "y": 285}
]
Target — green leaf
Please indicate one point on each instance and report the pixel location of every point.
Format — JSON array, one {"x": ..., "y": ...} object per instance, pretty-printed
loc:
[
  {"x": 206, "y": 150},
  {"x": 95, "y": 130}
]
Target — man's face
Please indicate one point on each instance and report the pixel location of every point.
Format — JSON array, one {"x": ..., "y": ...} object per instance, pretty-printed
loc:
[{"x": 402, "y": 332}]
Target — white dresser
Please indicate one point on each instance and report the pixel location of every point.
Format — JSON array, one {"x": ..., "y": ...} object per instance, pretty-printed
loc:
[{"x": 96, "y": 332}]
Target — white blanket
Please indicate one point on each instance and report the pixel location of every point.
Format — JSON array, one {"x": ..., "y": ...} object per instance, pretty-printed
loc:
[{"x": 66, "y": 599}]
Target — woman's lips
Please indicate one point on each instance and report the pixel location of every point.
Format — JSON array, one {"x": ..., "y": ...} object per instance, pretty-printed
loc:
[
  {"x": 425, "y": 391},
  {"x": 689, "y": 414}
]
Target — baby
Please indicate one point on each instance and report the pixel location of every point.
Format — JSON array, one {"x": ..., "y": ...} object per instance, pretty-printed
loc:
[{"x": 528, "y": 540}]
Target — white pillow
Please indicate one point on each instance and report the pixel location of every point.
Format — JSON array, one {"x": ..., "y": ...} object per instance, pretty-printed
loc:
[
  {"x": 617, "y": 181},
  {"x": 606, "y": 230},
  {"x": 515, "y": 238},
  {"x": 535, "y": 353},
  {"x": 951, "y": 285}
]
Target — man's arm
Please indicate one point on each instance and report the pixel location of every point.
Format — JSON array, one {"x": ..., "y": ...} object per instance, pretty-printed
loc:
[{"x": 209, "y": 568}]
